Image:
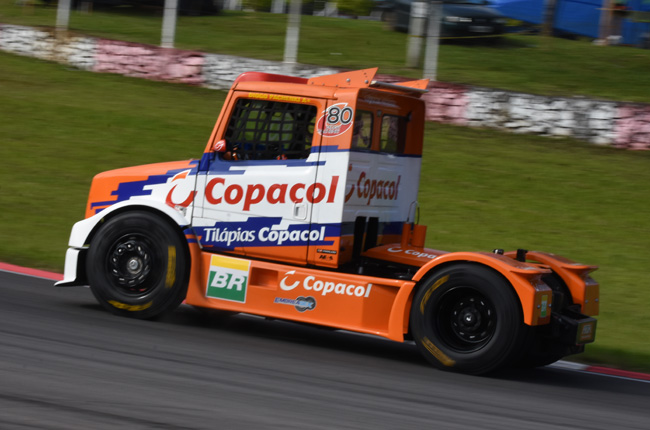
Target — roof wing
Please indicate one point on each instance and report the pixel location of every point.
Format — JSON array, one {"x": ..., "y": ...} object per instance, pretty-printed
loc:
[
  {"x": 354, "y": 79},
  {"x": 411, "y": 87},
  {"x": 421, "y": 84}
]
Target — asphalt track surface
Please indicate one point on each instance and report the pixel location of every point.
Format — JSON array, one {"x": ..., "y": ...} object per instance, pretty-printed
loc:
[{"x": 65, "y": 363}]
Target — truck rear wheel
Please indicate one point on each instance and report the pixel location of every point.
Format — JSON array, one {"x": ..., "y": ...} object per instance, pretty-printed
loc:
[
  {"x": 467, "y": 318},
  {"x": 138, "y": 265}
]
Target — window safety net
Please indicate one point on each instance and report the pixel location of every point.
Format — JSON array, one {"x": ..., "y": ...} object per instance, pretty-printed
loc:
[{"x": 267, "y": 130}]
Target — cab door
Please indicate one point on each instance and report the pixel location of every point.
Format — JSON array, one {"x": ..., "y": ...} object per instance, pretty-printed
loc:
[{"x": 259, "y": 192}]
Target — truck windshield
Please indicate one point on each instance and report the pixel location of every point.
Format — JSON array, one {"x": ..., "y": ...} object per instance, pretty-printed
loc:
[{"x": 268, "y": 130}]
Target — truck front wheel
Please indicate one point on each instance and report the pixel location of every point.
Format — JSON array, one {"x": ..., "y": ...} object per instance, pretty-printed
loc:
[
  {"x": 138, "y": 265},
  {"x": 467, "y": 318}
]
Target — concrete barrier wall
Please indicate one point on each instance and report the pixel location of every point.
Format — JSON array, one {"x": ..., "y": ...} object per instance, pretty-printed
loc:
[
  {"x": 149, "y": 62},
  {"x": 616, "y": 124}
]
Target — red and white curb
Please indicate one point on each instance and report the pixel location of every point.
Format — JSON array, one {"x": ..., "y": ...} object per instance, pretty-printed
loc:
[
  {"x": 608, "y": 371},
  {"x": 564, "y": 365},
  {"x": 35, "y": 273}
]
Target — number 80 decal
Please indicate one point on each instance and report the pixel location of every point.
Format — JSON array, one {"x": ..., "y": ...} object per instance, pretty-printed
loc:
[{"x": 336, "y": 120}]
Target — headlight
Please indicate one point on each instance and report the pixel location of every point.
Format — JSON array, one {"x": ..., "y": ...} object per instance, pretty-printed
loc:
[{"x": 458, "y": 19}]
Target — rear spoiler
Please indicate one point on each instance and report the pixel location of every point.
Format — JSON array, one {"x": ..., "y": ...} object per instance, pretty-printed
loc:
[
  {"x": 412, "y": 87},
  {"x": 354, "y": 79},
  {"x": 365, "y": 78}
]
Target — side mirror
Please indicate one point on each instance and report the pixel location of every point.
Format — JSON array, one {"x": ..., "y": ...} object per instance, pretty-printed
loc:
[{"x": 219, "y": 146}]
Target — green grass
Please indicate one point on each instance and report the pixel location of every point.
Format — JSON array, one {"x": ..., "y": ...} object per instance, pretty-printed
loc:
[
  {"x": 60, "y": 127},
  {"x": 532, "y": 64},
  {"x": 481, "y": 189}
]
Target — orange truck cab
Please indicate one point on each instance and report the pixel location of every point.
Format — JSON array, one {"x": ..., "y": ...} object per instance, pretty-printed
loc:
[{"x": 303, "y": 207}]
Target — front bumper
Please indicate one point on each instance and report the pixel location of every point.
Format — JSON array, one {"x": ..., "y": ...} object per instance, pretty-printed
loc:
[{"x": 74, "y": 270}]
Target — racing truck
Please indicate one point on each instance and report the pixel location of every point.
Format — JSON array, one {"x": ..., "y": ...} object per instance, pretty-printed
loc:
[{"x": 303, "y": 207}]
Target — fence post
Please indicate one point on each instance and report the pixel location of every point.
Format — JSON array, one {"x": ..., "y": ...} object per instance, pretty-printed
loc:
[
  {"x": 169, "y": 24},
  {"x": 433, "y": 41},
  {"x": 417, "y": 24},
  {"x": 62, "y": 16},
  {"x": 293, "y": 35}
]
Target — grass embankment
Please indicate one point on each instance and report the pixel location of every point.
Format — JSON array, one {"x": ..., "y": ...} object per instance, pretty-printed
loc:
[
  {"x": 532, "y": 64},
  {"x": 481, "y": 189}
]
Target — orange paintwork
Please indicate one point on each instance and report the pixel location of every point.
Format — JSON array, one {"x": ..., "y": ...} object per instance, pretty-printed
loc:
[
  {"x": 353, "y": 79},
  {"x": 410, "y": 255},
  {"x": 105, "y": 185},
  {"x": 420, "y": 84},
  {"x": 584, "y": 290},
  {"x": 396, "y": 104},
  {"x": 384, "y": 312},
  {"x": 381, "y": 313}
]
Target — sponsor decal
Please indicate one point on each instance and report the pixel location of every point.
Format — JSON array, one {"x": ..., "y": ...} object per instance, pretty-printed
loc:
[
  {"x": 413, "y": 252},
  {"x": 336, "y": 120},
  {"x": 130, "y": 308},
  {"x": 369, "y": 189},
  {"x": 301, "y": 304},
  {"x": 228, "y": 278},
  {"x": 220, "y": 146},
  {"x": 544, "y": 310},
  {"x": 265, "y": 236},
  {"x": 279, "y": 98},
  {"x": 437, "y": 353},
  {"x": 171, "y": 267},
  {"x": 326, "y": 251},
  {"x": 586, "y": 332},
  {"x": 430, "y": 291},
  {"x": 220, "y": 192},
  {"x": 291, "y": 281},
  {"x": 172, "y": 198}
]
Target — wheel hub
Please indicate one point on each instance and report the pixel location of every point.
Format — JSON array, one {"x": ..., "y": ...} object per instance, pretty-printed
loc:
[
  {"x": 471, "y": 319},
  {"x": 466, "y": 319},
  {"x": 134, "y": 265},
  {"x": 130, "y": 264}
]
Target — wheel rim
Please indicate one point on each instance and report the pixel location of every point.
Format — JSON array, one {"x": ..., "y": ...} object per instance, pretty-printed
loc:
[
  {"x": 466, "y": 319},
  {"x": 130, "y": 261}
]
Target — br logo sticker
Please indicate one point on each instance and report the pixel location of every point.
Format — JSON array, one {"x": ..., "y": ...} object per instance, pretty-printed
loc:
[{"x": 228, "y": 279}]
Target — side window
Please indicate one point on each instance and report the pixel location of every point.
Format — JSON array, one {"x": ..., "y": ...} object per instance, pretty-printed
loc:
[
  {"x": 362, "y": 132},
  {"x": 393, "y": 134},
  {"x": 267, "y": 130}
]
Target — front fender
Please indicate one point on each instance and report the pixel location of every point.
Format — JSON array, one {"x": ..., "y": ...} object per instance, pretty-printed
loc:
[{"x": 82, "y": 231}]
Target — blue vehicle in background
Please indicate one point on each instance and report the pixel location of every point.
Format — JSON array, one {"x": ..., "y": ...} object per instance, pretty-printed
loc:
[{"x": 629, "y": 19}]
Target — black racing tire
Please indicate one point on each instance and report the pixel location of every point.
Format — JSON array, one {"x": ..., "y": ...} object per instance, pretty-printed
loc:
[
  {"x": 138, "y": 265},
  {"x": 467, "y": 318}
]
